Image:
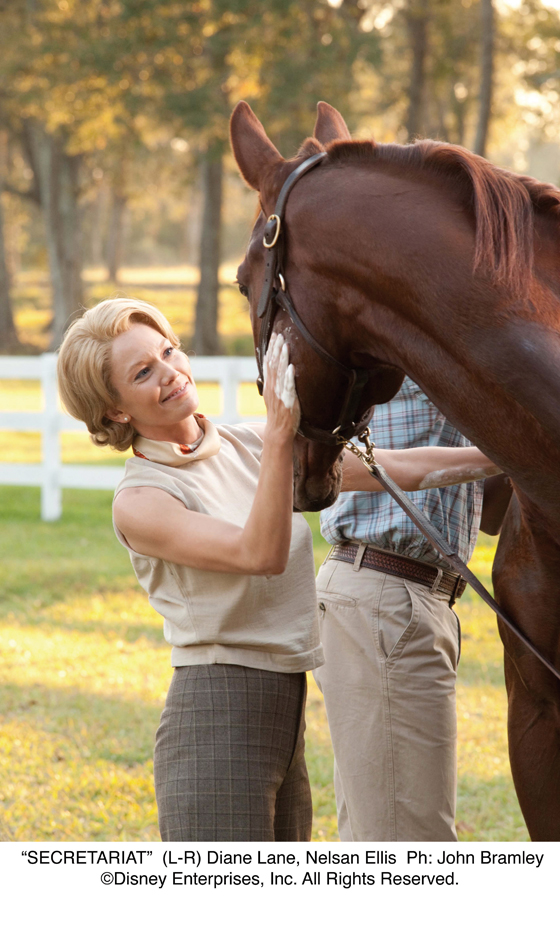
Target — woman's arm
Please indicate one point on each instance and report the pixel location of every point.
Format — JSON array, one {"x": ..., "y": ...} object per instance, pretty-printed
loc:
[
  {"x": 156, "y": 524},
  {"x": 419, "y": 468}
]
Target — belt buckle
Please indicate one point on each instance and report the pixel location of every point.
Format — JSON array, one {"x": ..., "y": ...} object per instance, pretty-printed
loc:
[{"x": 437, "y": 581}]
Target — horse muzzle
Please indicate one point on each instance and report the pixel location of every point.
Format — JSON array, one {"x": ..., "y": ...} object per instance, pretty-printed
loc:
[{"x": 315, "y": 487}]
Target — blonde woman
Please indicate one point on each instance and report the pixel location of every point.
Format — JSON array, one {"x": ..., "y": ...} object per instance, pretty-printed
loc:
[{"x": 205, "y": 513}]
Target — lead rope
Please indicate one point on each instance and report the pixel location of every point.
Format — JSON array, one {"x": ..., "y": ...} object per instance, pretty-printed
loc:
[{"x": 437, "y": 539}]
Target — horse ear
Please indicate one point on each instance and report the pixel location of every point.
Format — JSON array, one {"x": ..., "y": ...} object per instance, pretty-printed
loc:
[
  {"x": 252, "y": 149},
  {"x": 330, "y": 126}
]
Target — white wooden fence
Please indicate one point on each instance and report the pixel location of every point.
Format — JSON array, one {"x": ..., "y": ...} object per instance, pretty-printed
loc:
[{"x": 51, "y": 474}]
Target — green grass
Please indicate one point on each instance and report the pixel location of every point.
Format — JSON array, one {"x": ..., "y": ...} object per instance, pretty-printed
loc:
[
  {"x": 83, "y": 680},
  {"x": 84, "y": 673}
]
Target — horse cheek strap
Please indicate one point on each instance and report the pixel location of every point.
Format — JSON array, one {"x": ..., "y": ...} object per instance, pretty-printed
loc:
[{"x": 271, "y": 298}]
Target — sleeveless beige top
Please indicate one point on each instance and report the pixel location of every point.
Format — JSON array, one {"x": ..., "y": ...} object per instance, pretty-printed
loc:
[{"x": 216, "y": 617}]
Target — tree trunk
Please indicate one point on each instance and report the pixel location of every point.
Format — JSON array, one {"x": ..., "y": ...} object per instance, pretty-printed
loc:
[
  {"x": 417, "y": 25},
  {"x": 192, "y": 228},
  {"x": 115, "y": 236},
  {"x": 459, "y": 112},
  {"x": 486, "y": 75},
  {"x": 98, "y": 221},
  {"x": 8, "y": 334},
  {"x": 57, "y": 179},
  {"x": 206, "y": 322}
]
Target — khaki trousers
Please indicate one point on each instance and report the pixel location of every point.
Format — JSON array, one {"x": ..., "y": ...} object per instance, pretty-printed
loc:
[{"x": 391, "y": 652}]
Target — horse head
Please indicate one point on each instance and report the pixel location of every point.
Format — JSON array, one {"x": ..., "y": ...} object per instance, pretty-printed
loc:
[{"x": 326, "y": 302}]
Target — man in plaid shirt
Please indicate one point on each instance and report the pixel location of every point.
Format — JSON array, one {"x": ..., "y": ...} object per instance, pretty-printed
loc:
[{"x": 392, "y": 641}]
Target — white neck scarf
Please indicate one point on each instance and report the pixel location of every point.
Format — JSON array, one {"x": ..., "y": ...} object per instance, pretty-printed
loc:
[{"x": 172, "y": 454}]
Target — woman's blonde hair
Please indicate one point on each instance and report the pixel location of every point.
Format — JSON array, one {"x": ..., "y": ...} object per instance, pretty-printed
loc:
[{"x": 84, "y": 365}]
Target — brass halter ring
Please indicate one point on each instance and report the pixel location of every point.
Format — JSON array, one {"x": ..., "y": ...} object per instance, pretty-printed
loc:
[
  {"x": 276, "y": 218},
  {"x": 366, "y": 456}
]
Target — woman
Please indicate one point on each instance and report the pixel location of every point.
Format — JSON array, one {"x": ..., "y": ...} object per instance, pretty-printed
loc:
[{"x": 206, "y": 515}]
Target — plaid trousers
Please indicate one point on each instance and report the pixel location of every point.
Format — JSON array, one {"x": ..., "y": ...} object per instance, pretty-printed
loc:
[{"x": 229, "y": 759}]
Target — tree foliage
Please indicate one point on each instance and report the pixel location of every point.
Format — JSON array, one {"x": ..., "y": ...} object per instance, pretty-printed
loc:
[{"x": 107, "y": 85}]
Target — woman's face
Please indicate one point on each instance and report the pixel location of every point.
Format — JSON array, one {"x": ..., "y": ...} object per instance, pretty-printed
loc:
[{"x": 153, "y": 380}]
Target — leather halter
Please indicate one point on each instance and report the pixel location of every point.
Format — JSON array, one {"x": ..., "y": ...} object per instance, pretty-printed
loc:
[{"x": 275, "y": 295}]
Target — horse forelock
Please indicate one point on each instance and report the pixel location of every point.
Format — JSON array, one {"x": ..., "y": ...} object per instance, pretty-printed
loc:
[
  {"x": 309, "y": 147},
  {"x": 503, "y": 203}
]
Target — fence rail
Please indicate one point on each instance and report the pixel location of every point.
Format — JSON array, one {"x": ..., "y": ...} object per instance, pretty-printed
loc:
[{"x": 51, "y": 474}]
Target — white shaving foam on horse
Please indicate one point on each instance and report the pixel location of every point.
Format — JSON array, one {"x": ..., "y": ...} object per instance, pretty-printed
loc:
[
  {"x": 289, "y": 395},
  {"x": 456, "y": 475},
  {"x": 272, "y": 354},
  {"x": 281, "y": 368},
  {"x": 277, "y": 358}
]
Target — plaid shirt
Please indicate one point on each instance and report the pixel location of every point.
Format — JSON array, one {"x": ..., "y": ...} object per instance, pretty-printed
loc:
[{"x": 409, "y": 420}]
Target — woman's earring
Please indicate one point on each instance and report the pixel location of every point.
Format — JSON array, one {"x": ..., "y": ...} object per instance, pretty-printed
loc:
[{"x": 126, "y": 419}]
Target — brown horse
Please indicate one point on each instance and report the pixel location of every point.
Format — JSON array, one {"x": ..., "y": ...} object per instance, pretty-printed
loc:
[{"x": 427, "y": 260}]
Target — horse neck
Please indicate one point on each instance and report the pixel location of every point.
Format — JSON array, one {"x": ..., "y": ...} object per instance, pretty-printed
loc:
[
  {"x": 493, "y": 368},
  {"x": 503, "y": 398}
]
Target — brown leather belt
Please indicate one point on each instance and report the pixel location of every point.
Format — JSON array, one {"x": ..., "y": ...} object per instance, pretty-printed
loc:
[{"x": 434, "y": 578}]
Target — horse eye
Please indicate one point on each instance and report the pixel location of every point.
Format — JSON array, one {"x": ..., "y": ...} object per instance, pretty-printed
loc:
[{"x": 243, "y": 290}]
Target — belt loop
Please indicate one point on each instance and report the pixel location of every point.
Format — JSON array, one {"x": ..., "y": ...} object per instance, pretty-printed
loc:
[
  {"x": 359, "y": 556},
  {"x": 437, "y": 580}
]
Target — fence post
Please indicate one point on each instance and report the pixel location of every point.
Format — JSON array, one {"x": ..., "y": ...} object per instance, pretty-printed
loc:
[
  {"x": 229, "y": 383},
  {"x": 51, "y": 494}
]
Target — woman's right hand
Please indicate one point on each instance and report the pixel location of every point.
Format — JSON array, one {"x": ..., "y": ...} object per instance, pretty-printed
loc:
[{"x": 282, "y": 405}]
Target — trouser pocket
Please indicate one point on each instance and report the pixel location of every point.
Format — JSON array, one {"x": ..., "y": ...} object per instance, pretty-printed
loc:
[
  {"x": 395, "y": 618},
  {"x": 458, "y": 636}
]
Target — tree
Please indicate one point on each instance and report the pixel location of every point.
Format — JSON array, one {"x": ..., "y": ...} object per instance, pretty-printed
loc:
[
  {"x": 92, "y": 84},
  {"x": 57, "y": 175},
  {"x": 8, "y": 334},
  {"x": 45, "y": 144},
  {"x": 60, "y": 111},
  {"x": 187, "y": 65},
  {"x": 530, "y": 39},
  {"x": 206, "y": 312},
  {"x": 486, "y": 75},
  {"x": 417, "y": 15}
]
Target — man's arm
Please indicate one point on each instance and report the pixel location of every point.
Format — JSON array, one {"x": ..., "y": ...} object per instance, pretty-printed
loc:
[{"x": 418, "y": 468}]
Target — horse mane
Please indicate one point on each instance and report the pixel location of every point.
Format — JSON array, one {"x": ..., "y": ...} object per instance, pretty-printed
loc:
[{"x": 503, "y": 203}]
